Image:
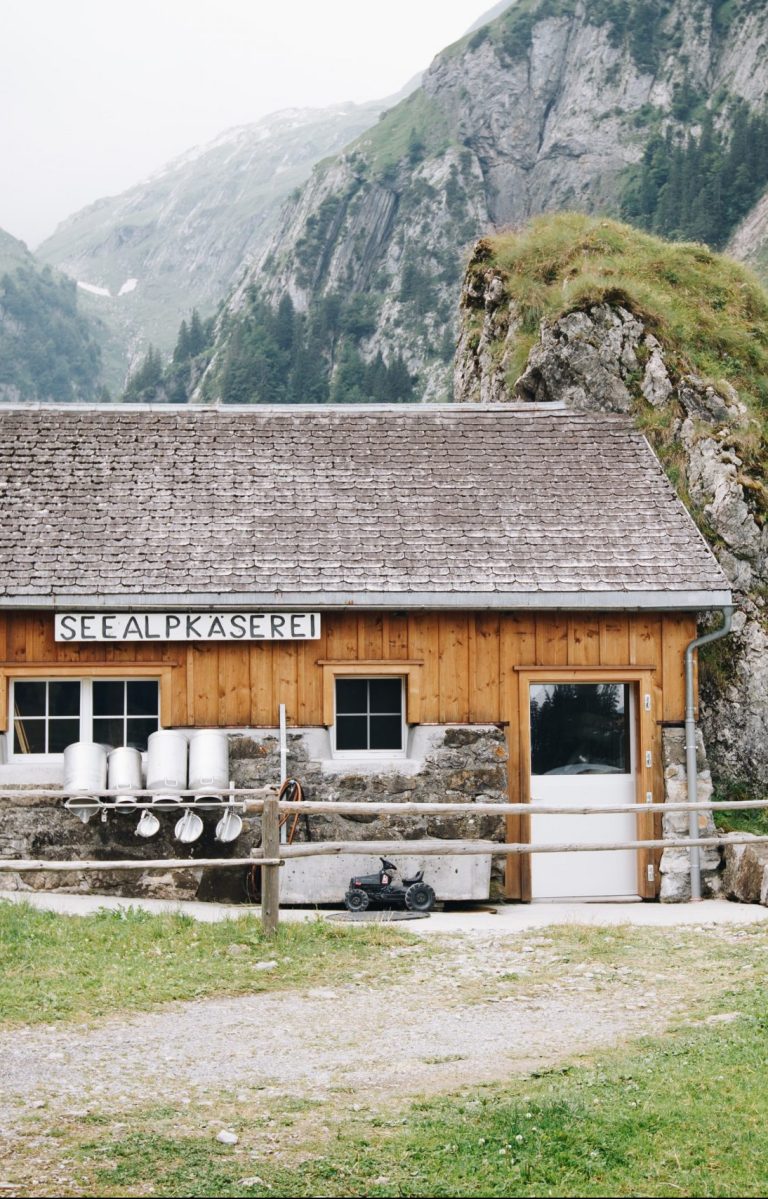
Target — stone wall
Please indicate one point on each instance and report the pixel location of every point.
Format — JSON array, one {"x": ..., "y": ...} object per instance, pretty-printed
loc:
[
  {"x": 675, "y": 863},
  {"x": 447, "y": 764}
]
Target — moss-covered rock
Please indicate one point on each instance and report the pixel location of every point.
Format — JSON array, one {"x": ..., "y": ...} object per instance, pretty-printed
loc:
[{"x": 596, "y": 315}]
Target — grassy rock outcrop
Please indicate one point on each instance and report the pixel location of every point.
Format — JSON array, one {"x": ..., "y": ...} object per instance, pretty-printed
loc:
[{"x": 596, "y": 315}]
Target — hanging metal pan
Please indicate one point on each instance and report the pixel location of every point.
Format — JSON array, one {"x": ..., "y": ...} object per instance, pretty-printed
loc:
[
  {"x": 229, "y": 827},
  {"x": 189, "y": 828}
]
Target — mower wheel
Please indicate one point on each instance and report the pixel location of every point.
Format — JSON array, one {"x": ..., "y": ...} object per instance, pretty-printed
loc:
[
  {"x": 420, "y": 898},
  {"x": 356, "y": 900}
]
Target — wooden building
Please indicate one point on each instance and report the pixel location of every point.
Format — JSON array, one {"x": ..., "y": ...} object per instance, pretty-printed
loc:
[{"x": 379, "y": 571}]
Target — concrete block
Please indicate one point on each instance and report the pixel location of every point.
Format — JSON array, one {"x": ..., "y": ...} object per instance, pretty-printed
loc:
[{"x": 325, "y": 880}]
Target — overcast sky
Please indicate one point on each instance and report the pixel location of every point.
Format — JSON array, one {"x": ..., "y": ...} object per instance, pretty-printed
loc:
[{"x": 97, "y": 94}]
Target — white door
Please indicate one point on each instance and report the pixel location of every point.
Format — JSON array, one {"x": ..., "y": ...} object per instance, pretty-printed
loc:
[{"x": 583, "y": 755}]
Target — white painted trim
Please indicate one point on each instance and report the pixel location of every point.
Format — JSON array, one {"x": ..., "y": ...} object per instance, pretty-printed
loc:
[
  {"x": 371, "y": 755},
  {"x": 86, "y": 710}
]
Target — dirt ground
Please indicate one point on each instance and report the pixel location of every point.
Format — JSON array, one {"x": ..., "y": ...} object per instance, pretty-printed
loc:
[{"x": 460, "y": 1010}]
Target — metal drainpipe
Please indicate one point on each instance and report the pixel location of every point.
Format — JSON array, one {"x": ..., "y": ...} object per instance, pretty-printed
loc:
[{"x": 690, "y": 747}]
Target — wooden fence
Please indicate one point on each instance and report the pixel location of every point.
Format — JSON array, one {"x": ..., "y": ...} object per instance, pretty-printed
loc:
[{"x": 273, "y": 854}]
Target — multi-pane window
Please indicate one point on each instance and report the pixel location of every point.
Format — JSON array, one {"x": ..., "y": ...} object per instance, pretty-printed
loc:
[
  {"x": 369, "y": 714},
  {"x": 49, "y": 714},
  {"x": 46, "y": 716},
  {"x": 124, "y": 712}
]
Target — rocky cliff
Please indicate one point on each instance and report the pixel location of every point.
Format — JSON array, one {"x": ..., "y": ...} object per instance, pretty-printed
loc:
[
  {"x": 554, "y": 104},
  {"x": 598, "y": 316},
  {"x": 182, "y": 238},
  {"x": 749, "y": 242}
]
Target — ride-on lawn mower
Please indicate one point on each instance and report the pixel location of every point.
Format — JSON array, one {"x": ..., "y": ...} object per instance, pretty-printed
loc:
[{"x": 387, "y": 889}]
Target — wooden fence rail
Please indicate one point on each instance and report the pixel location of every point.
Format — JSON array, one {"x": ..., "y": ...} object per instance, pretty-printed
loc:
[{"x": 273, "y": 854}]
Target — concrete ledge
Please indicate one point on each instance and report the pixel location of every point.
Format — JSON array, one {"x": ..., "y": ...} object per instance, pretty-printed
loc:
[{"x": 326, "y": 879}]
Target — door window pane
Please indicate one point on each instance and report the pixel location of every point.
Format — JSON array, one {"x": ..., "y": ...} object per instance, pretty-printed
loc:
[
  {"x": 369, "y": 714},
  {"x": 580, "y": 728}
]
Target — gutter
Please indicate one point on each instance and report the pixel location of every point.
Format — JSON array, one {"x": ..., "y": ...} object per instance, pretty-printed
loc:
[
  {"x": 476, "y": 600},
  {"x": 690, "y": 746}
]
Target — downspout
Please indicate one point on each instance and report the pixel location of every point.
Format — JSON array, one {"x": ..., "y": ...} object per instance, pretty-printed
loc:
[{"x": 690, "y": 746}]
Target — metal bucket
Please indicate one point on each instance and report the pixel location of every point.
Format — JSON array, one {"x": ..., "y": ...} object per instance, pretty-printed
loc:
[
  {"x": 85, "y": 767},
  {"x": 85, "y": 772},
  {"x": 124, "y": 771},
  {"x": 167, "y": 766},
  {"x": 208, "y": 760}
]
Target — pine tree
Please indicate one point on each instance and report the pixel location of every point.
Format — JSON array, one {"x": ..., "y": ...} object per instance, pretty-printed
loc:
[
  {"x": 197, "y": 338},
  {"x": 181, "y": 351}
]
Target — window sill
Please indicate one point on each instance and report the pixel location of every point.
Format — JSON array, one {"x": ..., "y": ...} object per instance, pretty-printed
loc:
[
  {"x": 29, "y": 773},
  {"x": 369, "y": 764}
]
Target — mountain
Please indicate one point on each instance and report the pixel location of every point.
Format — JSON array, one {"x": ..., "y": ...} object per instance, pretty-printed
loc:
[
  {"x": 601, "y": 317},
  {"x": 13, "y": 253},
  {"x": 649, "y": 108},
  {"x": 181, "y": 239},
  {"x": 48, "y": 349},
  {"x": 749, "y": 242}
]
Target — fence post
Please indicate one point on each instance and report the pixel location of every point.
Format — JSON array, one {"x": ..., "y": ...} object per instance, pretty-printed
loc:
[{"x": 270, "y": 875}]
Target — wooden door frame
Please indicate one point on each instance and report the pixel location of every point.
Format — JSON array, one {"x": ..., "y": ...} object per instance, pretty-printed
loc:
[{"x": 648, "y": 772}]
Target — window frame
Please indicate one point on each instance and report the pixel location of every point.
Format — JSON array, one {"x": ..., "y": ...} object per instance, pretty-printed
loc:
[
  {"x": 86, "y": 717},
  {"x": 374, "y": 754}
]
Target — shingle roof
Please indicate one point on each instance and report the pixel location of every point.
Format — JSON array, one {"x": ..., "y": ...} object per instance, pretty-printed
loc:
[{"x": 487, "y": 502}]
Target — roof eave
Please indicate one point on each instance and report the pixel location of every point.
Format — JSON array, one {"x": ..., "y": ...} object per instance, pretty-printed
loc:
[{"x": 614, "y": 601}]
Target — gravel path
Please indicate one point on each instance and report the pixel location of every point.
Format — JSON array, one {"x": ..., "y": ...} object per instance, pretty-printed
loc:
[{"x": 478, "y": 1010}]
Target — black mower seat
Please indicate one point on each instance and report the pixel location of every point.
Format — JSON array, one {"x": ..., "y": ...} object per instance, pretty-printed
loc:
[{"x": 408, "y": 882}]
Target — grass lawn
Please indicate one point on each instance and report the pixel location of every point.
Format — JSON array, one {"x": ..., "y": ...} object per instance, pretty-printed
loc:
[
  {"x": 56, "y": 967},
  {"x": 681, "y": 1115}
]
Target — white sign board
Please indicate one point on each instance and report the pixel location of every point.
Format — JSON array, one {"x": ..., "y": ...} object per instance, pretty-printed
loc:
[{"x": 188, "y": 626}]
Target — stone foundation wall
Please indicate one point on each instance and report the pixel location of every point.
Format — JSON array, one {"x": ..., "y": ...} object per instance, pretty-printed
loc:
[
  {"x": 675, "y": 863},
  {"x": 448, "y": 764}
]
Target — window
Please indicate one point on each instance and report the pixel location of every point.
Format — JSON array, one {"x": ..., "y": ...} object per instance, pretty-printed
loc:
[
  {"x": 46, "y": 716},
  {"x": 124, "y": 712},
  {"x": 49, "y": 714},
  {"x": 369, "y": 715},
  {"x": 580, "y": 728}
]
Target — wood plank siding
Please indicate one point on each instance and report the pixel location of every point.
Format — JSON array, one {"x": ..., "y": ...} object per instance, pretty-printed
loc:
[
  {"x": 467, "y": 662},
  {"x": 462, "y": 668}
]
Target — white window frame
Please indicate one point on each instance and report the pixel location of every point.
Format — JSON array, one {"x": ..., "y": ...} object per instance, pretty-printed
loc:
[
  {"x": 86, "y": 708},
  {"x": 371, "y": 754}
]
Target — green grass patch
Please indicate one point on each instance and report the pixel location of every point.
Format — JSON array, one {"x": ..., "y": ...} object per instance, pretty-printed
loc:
[
  {"x": 741, "y": 820},
  {"x": 414, "y": 129},
  {"x": 709, "y": 312},
  {"x": 681, "y": 1114},
  {"x": 56, "y": 967}
]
